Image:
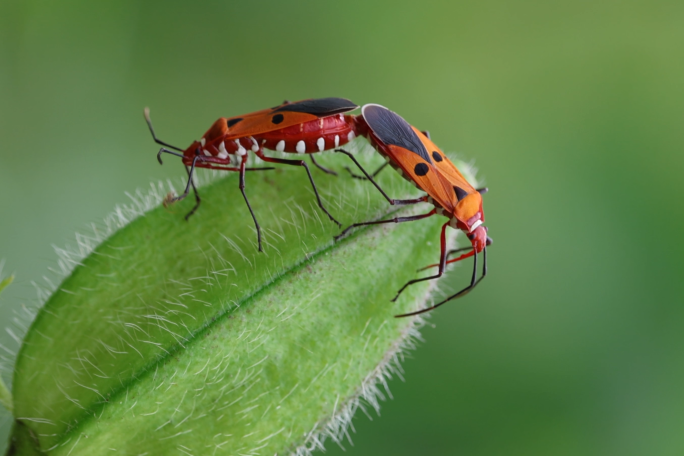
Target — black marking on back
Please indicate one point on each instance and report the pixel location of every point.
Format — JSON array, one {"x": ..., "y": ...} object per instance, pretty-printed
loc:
[
  {"x": 321, "y": 107},
  {"x": 421, "y": 169},
  {"x": 460, "y": 193},
  {"x": 232, "y": 122},
  {"x": 277, "y": 119},
  {"x": 436, "y": 156},
  {"x": 392, "y": 129}
]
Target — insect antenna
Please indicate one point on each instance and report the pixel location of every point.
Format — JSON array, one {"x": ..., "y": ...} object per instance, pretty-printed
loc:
[{"x": 146, "y": 113}]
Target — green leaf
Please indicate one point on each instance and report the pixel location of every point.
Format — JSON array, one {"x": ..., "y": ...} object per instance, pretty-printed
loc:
[
  {"x": 178, "y": 337},
  {"x": 5, "y": 395}
]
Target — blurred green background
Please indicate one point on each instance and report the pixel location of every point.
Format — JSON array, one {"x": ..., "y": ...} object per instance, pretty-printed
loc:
[{"x": 573, "y": 112}]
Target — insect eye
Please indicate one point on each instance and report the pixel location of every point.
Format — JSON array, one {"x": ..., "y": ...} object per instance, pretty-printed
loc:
[
  {"x": 277, "y": 119},
  {"x": 436, "y": 156},
  {"x": 421, "y": 169}
]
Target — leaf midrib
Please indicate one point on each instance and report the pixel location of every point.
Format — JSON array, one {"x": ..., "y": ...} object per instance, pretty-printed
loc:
[{"x": 91, "y": 412}]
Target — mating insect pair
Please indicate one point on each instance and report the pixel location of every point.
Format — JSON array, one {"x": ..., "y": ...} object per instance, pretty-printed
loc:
[{"x": 316, "y": 125}]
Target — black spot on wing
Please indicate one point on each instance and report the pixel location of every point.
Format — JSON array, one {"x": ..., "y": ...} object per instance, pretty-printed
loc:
[
  {"x": 460, "y": 193},
  {"x": 320, "y": 107},
  {"x": 392, "y": 129},
  {"x": 421, "y": 169},
  {"x": 232, "y": 122},
  {"x": 277, "y": 119},
  {"x": 437, "y": 156}
]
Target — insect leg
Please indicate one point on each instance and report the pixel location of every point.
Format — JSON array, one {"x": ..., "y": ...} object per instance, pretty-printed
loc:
[
  {"x": 394, "y": 220},
  {"x": 463, "y": 292},
  {"x": 322, "y": 168},
  {"x": 442, "y": 264},
  {"x": 393, "y": 202},
  {"x": 244, "y": 195},
  {"x": 146, "y": 112},
  {"x": 462, "y": 257},
  {"x": 230, "y": 168},
  {"x": 187, "y": 187},
  {"x": 449, "y": 253},
  {"x": 167, "y": 151},
  {"x": 375, "y": 173},
  {"x": 283, "y": 161},
  {"x": 198, "y": 200}
]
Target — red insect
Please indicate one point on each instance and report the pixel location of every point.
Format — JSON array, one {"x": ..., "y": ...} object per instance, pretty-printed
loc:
[
  {"x": 422, "y": 163},
  {"x": 302, "y": 127}
]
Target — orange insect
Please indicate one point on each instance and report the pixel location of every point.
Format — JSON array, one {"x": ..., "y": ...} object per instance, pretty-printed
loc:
[
  {"x": 422, "y": 163},
  {"x": 301, "y": 127}
]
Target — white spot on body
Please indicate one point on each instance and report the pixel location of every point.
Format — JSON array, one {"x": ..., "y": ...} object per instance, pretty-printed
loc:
[
  {"x": 241, "y": 150},
  {"x": 351, "y": 136},
  {"x": 203, "y": 141},
  {"x": 301, "y": 147},
  {"x": 320, "y": 124},
  {"x": 475, "y": 225},
  {"x": 280, "y": 146},
  {"x": 320, "y": 142},
  {"x": 255, "y": 145},
  {"x": 223, "y": 153},
  {"x": 453, "y": 223},
  {"x": 337, "y": 140},
  {"x": 206, "y": 152}
]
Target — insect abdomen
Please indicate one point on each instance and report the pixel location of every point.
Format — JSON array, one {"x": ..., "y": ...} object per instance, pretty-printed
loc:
[{"x": 309, "y": 137}]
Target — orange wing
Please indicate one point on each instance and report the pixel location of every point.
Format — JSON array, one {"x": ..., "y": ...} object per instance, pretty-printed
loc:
[
  {"x": 285, "y": 115},
  {"x": 426, "y": 175},
  {"x": 406, "y": 147},
  {"x": 445, "y": 166},
  {"x": 469, "y": 200}
]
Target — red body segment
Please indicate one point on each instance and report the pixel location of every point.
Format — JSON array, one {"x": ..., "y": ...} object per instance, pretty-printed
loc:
[
  {"x": 218, "y": 144},
  {"x": 302, "y": 127}
]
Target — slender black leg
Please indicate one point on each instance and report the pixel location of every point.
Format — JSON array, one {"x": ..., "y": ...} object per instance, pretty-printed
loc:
[
  {"x": 375, "y": 173},
  {"x": 442, "y": 264},
  {"x": 463, "y": 292},
  {"x": 190, "y": 183},
  {"x": 244, "y": 195},
  {"x": 198, "y": 200},
  {"x": 393, "y": 202},
  {"x": 283, "y": 161},
  {"x": 322, "y": 168},
  {"x": 146, "y": 112},
  {"x": 166, "y": 151},
  {"x": 378, "y": 222}
]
